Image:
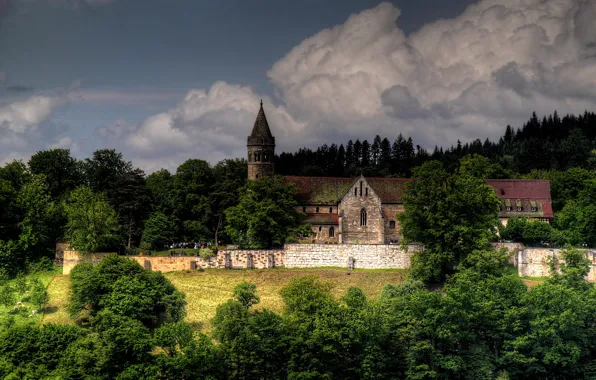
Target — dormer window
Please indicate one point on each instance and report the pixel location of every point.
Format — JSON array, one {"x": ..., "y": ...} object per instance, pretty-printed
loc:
[
  {"x": 519, "y": 208},
  {"x": 508, "y": 208},
  {"x": 533, "y": 206},
  {"x": 534, "y": 209}
]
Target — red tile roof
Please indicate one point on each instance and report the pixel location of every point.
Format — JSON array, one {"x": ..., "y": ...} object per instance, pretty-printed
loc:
[
  {"x": 520, "y": 188},
  {"x": 330, "y": 190}
]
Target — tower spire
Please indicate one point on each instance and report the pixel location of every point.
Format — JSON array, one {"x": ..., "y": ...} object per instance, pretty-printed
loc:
[{"x": 261, "y": 148}]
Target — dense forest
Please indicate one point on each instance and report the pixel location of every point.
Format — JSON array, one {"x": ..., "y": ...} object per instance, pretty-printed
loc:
[{"x": 548, "y": 144}]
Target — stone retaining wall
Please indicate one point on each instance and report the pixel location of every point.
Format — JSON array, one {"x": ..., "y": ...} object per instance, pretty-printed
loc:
[
  {"x": 533, "y": 262},
  {"x": 339, "y": 255},
  {"x": 72, "y": 258}
]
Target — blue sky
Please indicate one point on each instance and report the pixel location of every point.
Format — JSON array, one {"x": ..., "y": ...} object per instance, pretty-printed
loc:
[{"x": 166, "y": 80}]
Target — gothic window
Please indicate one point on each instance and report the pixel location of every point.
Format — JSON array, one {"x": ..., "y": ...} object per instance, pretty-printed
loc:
[
  {"x": 367, "y": 191},
  {"x": 262, "y": 140},
  {"x": 317, "y": 210},
  {"x": 355, "y": 191},
  {"x": 331, "y": 210},
  {"x": 265, "y": 157},
  {"x": 363, "y": 217},
  {"x": 392, "y": 224},
  {"x": 257, "y": 157},
  {"x": 331, "y": 232},
  {"x": 360, "y": 188},
  {"x": 320, "y": 228}
]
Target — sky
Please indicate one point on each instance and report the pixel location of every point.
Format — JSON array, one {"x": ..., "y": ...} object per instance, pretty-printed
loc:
[{"x": 163, "y": 81}]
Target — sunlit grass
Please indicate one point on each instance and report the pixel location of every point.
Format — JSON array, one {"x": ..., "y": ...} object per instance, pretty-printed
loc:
[{"x": 205, "y": 290}]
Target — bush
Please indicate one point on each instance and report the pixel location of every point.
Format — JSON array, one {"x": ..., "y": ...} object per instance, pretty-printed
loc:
[{"x": 125, "y": 288}]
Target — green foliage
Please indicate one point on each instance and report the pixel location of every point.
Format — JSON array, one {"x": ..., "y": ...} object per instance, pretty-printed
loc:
[
  {"x": 246, "y": 294},
  {"x": 92, "y": 223},
  {"x": 265, "y": 215},
  {"x": 450, "y": 214},
  {"x": 124, "y": 288},
  {"x": 578, "y": 217},
  {"x": 529, "y": 231},
  {"x": 38, "y": 294},
  {"x": 355, "y": 298},
  {"x": 159, "y": 231},
  {"x": 60, "y": 170}
]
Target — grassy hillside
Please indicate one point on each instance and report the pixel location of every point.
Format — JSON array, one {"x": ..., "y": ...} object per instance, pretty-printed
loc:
[{"x": 208, "y": 289}]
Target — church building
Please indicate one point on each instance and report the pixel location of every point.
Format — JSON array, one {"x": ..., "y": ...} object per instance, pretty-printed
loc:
[{"x": 364, "y": 210}]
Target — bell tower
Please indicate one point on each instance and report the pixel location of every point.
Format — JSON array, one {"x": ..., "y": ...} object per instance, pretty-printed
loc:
[{"x": 261, "y": 148}]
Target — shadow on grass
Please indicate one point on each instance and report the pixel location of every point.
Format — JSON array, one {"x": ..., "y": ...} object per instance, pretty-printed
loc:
[
  {"x": 198, "y": 326},
  {"x": 50, "y": 310}
]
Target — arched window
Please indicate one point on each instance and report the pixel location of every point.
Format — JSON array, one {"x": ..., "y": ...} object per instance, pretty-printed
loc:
[
  {"x": 320, "y": 228},
  {"x": 317, "y": 210},
  {"x": 363, "y": 217},
  {"x": 331, "y": 210},
  {"x": 262, "y": 140},
  {"x": 392, "y": 224},
  {"x": 360, "y": 188},
  {"x": 257, "y": 157},
  {"x": 367, "y": 191},
  {"x": 355, "y": 191},
  {"x": 265, "y": 157},
  {"x": 331, "y": 232}
]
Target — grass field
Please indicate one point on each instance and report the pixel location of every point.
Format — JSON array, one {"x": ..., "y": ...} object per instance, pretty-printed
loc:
[
  {"x": 210, "y": 288},
  {"x": 207, "y": 289}
]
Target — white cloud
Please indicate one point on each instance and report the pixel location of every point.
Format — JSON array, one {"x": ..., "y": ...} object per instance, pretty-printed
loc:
[
  {"x": 22, "y": 114},
  {"x": 461, "y": 78}
]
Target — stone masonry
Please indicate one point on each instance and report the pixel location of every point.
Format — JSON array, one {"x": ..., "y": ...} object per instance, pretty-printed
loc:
[{"x": 360, "y": 199}]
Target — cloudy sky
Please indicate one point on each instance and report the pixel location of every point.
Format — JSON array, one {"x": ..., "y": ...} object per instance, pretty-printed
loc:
[{"x": 167, "y": 80}]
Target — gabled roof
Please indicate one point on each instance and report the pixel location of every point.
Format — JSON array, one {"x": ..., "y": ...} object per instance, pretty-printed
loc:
[
  {"x": 330, "y": 190},
  {"x": 261, "y": 129},
  {"x": 520, "y": 188},
  {"x": 320, "y": 190}
]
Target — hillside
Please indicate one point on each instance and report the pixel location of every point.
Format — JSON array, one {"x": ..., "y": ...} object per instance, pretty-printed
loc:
[{"x": 210, "y": 288}]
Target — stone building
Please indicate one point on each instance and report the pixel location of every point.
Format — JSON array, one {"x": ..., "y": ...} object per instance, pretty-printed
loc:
[
  {"x": 261, "y": 148},
  {"x": 364, "y": 210}
]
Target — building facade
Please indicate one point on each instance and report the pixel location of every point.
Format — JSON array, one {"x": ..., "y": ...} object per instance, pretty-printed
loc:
[{"x": 364, "y": 210}]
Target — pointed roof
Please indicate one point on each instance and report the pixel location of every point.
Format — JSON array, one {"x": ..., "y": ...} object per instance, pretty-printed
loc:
[{"x": 261, "y": 127}]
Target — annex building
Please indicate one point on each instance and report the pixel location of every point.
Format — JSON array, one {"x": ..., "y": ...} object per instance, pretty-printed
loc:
[{"x": 363, "y": 210}]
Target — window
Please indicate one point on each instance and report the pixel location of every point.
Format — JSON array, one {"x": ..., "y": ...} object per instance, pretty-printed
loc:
[
  {"x": 363, "y": 217},
  {"x": 303, "y": 209},
  {"x": 320, "y": 228},
  {"x": 331, "y": 232},
  {"x": 367, "y": 191},
  {"x": 355, "y": 191},
  {"x": 534, "y": 209},
  {"x": 360, "y": 188},
  {"x": 392, "y": 224},
  {"x": 265, "y": 157},
  {"x": 257, "y": 157},
  {"x": 331, "y": 210},
  {"x": 262, "y": 140},
  {"x": 317, "y": 210},
  {"x": 519, "y": 209},
  {"x": 508, "y": 209}
]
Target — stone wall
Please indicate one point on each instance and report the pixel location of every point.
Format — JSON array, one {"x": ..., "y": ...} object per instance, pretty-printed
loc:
[
  {"x": 338, "y": 255},
  {"x": 251, "y": 259},
  {"x": 533, "y": 262},
  {"x": 513, "y": 248},
  {"x": 72, "y": 258},
  {"x": 359, "y": 197},
  {"x": 61, "y": 246},
  {"x": 390, "y": 212}
]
